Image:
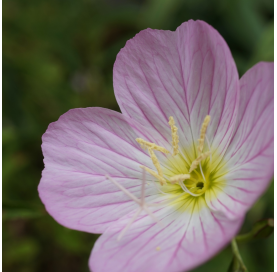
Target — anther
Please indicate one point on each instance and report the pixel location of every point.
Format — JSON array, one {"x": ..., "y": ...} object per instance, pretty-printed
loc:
[
  {"x": 203, "y": 133},
  {"x": 154, "y": 174},
  {"x": 209, "y": 146},
  {"x": 146, "y": 145},
  {"x": 201, "y": 157},
  {"x": 174, "y": 135},
  {"x": 178, "y": 178},
  {"x": 155, "y": 162}
]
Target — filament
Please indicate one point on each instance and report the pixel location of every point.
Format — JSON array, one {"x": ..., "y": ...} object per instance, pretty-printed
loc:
[
  {"x": 200, "y": 166},
  {"x": 187, "y": 190},
  {"x": 129, "y": 224}
]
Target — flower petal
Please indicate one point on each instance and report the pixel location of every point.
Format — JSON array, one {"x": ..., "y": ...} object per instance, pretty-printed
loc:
[
  {"x": 186, "y": 74},
  {"x": 182, "y": 240},
  {"x": 249, "y": 158},
  {"x": 81, "y": 148}
]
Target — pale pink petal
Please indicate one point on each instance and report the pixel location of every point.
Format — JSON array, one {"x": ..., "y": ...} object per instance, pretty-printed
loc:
[
  {"x": 186, "y": 74},
  {"x": 180, "y": 242},
  {"x": 79, "y": 150},
  {"x": 249, "y": 158}
]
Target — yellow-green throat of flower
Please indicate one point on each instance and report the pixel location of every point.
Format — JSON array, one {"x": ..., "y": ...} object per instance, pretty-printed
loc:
[{"x": 194, "y": 177}]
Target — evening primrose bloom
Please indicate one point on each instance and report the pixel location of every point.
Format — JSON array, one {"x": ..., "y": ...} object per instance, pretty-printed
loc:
[{"x": 201, "y": 137}]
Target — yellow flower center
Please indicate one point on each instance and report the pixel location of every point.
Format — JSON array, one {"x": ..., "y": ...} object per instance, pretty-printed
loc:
[
  {"x": 190, "y": 176},
  {"x": 184, "y": 176}
]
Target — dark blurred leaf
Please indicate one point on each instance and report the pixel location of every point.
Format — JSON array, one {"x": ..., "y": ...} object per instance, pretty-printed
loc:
[
  {"x": 261, "y": 229},
  {"x": 8, "y": 214},
  {"x": 264, "y": 50},
  {"x": 22, "y": 251}
]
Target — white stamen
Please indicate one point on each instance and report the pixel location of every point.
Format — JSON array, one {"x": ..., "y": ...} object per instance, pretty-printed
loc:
[
  {"x": 129, "y": 224},
  {"x": 200, "y": 166},
  {"x": 187, "y": 190},
  {"x": 142, "y": 198},
  {"x": 123, "y": 189},
  {"x": 140, "y": 202},
  {"x": 155, "y": 219}
]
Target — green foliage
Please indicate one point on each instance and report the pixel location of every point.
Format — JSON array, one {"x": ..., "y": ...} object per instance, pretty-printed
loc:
[
  {"x": 237, "y": 264},
  {"x": 59, "y": 55},
  {"x": 260, "y": 230}
]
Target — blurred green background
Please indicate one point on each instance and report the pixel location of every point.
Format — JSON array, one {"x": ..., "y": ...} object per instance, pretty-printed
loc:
[{"x": 58, "y": 55}]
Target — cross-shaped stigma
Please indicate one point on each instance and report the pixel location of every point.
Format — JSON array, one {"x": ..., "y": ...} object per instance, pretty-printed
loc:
[{"x": 141, "y": 202}]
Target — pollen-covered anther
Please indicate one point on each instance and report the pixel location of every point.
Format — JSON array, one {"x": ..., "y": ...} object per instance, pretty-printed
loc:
[
  {"x": 146, "y": 145},
  {"x": 203, "y": 133},
  {"x": 154, "y": 174},
  {"x": 179, "y": 178},
  {"x": 174, "y": 135},
  {"x": 155, "y": 161},
  {"x": 200, "y": 158}
]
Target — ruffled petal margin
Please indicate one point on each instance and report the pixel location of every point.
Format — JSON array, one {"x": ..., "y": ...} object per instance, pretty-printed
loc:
[
  {"x": 181, "y": 241},
  {"x": 187, "y": 74},
  {"x": 81, "y": 148},
  {"x": 249, "y": 157}
]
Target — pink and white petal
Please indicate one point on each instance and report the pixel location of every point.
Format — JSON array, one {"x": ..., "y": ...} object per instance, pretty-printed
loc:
[
  {"x": 180, "y": 242},
  {"x": 248, "y": 161},
  {"x": 186, "y": 74},
  {"x": 81, "y": 148}
]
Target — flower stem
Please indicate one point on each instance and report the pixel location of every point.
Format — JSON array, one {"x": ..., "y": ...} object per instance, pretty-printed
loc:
[
  {"x": 261, "y": 229},
  {"x": 238, "y": 264},
  {"x": 244, "y": 237}
]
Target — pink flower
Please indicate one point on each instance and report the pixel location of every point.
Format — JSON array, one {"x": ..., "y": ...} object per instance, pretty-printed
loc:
[{"x": 204, "y": 138}]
